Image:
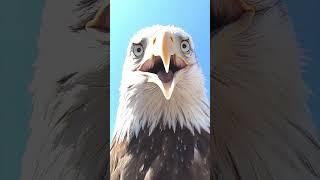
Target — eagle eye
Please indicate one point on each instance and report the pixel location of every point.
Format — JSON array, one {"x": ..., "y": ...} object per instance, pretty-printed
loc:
[
  {"x": 137, "y": 50},
  {"x": 185, "y": 46}
]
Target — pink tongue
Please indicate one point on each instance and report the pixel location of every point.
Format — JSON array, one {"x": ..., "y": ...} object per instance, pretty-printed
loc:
[{"x": 165, "y": 77}]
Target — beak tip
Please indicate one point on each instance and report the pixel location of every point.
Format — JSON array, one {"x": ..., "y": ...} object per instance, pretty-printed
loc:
[
  {"x": 168, "y": 97},
  {"x": 167, "y": 68},
  {"x": 167, "y": 90}
]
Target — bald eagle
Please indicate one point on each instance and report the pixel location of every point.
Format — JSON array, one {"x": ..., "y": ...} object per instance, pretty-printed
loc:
[
  {"x": 163, "y": 120},
  {"x": 69, "y": 136},
  {"x": 261, "y": 125}
]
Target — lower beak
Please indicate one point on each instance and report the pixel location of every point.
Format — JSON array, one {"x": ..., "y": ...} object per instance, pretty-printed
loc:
[{"x": 166, "y": 88}]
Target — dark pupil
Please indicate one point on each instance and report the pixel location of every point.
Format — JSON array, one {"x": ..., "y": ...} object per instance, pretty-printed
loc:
[
  {"x": 184, "y": 46},
  {"x": 139, "y": 49}
]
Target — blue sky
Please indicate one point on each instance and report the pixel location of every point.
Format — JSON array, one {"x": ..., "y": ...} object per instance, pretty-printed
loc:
[{"x": 127, "y": 17}]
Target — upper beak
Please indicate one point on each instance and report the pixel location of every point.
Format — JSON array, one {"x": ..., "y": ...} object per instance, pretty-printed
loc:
[{"x": 163, "y": 44}]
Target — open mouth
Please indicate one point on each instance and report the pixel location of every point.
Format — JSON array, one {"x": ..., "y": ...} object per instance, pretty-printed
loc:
[{"x": 156, "y": 66}]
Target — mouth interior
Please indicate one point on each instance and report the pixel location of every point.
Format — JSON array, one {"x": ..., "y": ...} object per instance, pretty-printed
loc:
[{"x": 156, "y": 66}]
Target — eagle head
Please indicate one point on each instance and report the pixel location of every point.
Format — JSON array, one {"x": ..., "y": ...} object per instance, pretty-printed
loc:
[{"x": 162, "y": 83}]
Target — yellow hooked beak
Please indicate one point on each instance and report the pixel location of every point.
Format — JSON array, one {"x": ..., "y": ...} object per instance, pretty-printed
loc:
[{"x": 163, "y": 50}]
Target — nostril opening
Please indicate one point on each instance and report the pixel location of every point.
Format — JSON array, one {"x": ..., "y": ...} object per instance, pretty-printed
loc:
[
  {"x": 154, "y": 40},
  {"x": 171, "y": 38}
]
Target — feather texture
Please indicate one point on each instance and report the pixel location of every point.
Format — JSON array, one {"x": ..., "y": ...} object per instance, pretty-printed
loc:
[
  {"x": 165, "y": 154},
  {"x": 68, "y": 139},
  {"x": 261, "y": 123}
]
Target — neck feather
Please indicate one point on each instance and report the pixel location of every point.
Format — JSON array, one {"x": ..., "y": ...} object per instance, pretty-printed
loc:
[{"x": 143, "y": 106}]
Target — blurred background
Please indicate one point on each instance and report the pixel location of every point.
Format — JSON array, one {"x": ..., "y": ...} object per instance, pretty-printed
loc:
[
  {"x": 128, "y": 17},
  {"x": 305, "y": 16},
  {"x": 20, "y": 22},
  {"x": 19, "y": 29}
]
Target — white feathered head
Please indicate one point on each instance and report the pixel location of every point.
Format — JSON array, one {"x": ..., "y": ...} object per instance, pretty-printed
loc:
[{"x": 162, "y": 83}]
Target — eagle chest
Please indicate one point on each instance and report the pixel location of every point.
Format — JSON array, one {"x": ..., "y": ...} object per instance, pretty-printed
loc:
[{"x": 164, "y": 154}]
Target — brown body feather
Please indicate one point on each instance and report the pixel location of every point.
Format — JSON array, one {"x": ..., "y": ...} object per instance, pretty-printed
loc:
[{"x": 164, "y": 154}]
